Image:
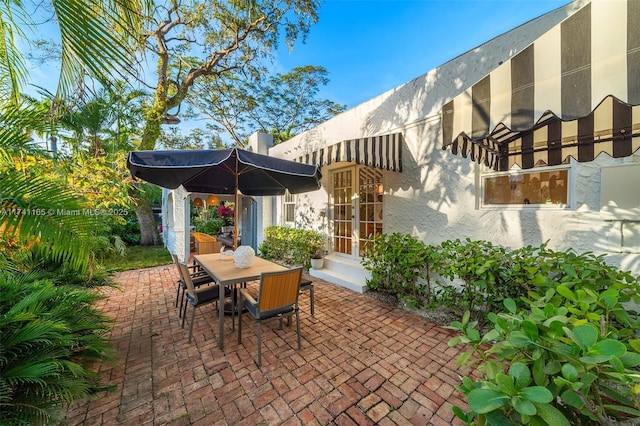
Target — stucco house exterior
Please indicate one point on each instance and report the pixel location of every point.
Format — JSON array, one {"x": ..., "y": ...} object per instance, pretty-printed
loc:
[{"x": 531, "y": 137}]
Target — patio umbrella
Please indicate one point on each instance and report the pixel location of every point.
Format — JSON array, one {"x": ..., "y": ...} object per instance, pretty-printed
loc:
[{"x": 223, "y": 171}]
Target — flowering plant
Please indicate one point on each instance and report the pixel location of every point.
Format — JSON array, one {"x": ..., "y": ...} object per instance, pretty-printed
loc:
[{"x": 226, "y": 212}]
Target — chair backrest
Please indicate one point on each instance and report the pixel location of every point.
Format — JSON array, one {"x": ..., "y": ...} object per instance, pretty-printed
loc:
[
  {"x": 186, "y": 277},
  {"x": 279, "y": 289}
]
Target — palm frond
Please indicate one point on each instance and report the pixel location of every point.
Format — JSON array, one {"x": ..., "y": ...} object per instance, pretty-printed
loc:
[
  {"x": 48, "y": 334},
  {"x": 18, "y": 120},
  {"x": 97, "y": 38},
  {"x": 12, "y": 65},
  {"x": 54, "y": 219}
]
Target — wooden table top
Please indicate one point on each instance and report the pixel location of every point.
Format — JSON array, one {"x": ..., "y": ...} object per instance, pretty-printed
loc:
[{"x": 224, "y": 271}]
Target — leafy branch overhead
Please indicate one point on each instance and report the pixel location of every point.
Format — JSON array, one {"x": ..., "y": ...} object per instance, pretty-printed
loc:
[
  {"x": 210, "y": 39},
  {"x": 281, "y": 104}
]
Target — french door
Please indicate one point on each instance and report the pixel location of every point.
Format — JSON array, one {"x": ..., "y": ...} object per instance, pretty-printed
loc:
[{"x": 356, "y": 198}]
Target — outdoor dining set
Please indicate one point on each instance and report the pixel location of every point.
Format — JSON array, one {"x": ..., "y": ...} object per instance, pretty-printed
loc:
[{"x": 216, "y": 277}]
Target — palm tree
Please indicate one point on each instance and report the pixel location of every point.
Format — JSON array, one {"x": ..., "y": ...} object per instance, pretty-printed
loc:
[{"x": 97, "y": 40}]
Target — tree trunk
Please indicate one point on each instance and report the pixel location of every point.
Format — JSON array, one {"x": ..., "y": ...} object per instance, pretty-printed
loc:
[{"x": 148, "y": 232}]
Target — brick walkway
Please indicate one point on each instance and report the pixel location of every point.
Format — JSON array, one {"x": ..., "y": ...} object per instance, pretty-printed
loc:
[{"x": 362, "y": 363}]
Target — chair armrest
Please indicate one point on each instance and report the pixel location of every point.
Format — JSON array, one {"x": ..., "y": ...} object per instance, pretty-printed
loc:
[{"x": 247, "y": 296}]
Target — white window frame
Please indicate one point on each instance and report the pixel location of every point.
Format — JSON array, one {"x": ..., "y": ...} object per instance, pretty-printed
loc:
[{"x": 289, "y": 200}]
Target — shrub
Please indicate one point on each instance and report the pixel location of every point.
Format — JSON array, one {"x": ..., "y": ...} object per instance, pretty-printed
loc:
[
  {"x": 489, "y": 273},
  {"x": 566, "y": 353},
  {"x": 48, "y": 337},
  {"x": 399, "y": 265},
  {"x": 293, "y": 246}
]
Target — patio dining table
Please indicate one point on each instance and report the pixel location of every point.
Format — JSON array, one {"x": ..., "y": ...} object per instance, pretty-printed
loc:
[{"x": 225, "y": 273}]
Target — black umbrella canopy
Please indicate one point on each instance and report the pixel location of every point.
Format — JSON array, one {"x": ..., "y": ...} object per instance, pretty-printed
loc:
[{"x": 224, "y": 171}]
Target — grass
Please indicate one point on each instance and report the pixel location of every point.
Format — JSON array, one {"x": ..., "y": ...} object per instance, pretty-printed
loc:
[{"x": 137, "y": 257}]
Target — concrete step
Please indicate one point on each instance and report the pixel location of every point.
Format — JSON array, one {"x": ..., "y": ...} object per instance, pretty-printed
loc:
[{"x": 347, "y": 273}]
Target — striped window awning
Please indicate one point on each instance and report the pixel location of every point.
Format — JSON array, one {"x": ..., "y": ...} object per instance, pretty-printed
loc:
[
  {"x": 574, "y": 92},
  {"x": 383, "y": 152}
]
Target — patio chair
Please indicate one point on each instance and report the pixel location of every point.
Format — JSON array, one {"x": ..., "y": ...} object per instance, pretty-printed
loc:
[
  {"x": 277, "y": 298},
  {"x": 197, "y": 297},
  {"x": 198, "y": 277}
]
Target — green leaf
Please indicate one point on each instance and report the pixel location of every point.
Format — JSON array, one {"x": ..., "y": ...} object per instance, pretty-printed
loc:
[
  {"x": 551, "y": 415},
  {"x": 539, "y": 377},
  {"x": 569, "y": 270},
  {"x": 537, "y": 394},
  {"x": 530, "y": 329},
  {"x": 539, "y": 280},
  {"x": 485, "y": 400},
  {"x": 609, "y": 297},
  {"x": 505, "y": 384},
  {"x": 630, "y": 359},
  {"x": 491, "y": 369},
  {"x": 518, "y": 339},
  {"x": 510, "y": 304},
  {"x": 523, "y": 406},
  {"x": 464, "y": 357},
  {"x": 617, "y": 364},
  {"x": 595, "y": 359},
  {"x": 623, "y": 409},
  {"x": 520, "y": 372},
  {"x": 491, "y": 335},
  {"x": 572, "y": 398},
  {"x": 460, "y": 414},
  {"x": 584, "y": 335},
  {"x": 566, "y": 293},
  {"x": 552, "y": 367},
  {"x": 454, "y": 341},
  {"x": 465, "y": 317},
  {"x": 569, "y": 372},
  {"x": 608, "y": 347},
  {"x": 496, "y": 418}
]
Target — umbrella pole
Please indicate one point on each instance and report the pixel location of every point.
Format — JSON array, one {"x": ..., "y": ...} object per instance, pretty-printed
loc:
[{"x": 235, "y": 214}]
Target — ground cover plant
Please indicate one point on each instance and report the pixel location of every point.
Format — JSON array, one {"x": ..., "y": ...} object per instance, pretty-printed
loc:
[{"x": 136, "y": 257}]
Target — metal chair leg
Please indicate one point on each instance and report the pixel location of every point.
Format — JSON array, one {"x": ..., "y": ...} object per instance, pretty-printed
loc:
[
  {"x": 193, "y": 316},
  {"x": 298, "y": 327},
  {"x": 177, "y": 294}
]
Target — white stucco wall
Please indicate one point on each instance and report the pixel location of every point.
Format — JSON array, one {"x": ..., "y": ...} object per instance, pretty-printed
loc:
[
  {"x": 436, "y": 197},
  {"x": 175, "y": 222}
]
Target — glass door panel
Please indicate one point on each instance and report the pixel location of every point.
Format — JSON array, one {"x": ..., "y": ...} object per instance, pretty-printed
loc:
[
  {"x": 343, "y": 211},
  {"x": 370, "y": 197}
]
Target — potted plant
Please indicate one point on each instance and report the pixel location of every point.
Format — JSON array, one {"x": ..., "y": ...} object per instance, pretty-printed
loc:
[{"x": 316, "y": 255}]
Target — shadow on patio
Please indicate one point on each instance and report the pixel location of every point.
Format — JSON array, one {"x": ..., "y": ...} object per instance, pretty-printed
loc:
[{"x": 362, "y": 362}]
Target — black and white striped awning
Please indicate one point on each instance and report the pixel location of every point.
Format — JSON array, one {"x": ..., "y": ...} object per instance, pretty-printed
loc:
[
  {"x": 383, "y": 152},
  {"x": 574, "y": 92}
]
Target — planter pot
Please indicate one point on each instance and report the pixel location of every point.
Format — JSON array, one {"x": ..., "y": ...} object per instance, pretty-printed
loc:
[{"x": 317, "y": 263}]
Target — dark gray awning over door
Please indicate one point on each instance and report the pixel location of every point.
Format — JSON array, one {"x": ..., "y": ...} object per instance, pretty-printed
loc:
[{"x": 574, "y": 92}]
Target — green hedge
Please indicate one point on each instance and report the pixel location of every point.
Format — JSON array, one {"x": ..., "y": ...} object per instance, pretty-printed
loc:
[{"x": 292, "y": 246}]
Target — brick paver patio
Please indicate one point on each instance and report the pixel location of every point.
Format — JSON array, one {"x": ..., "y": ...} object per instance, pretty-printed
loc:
[{"x": 362, "y": 362}]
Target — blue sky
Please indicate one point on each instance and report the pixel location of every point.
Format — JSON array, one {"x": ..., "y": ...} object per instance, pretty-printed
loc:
[{"x": 371, "y": 46}]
